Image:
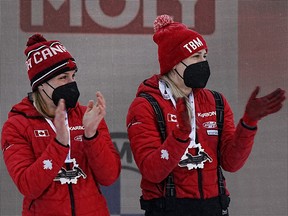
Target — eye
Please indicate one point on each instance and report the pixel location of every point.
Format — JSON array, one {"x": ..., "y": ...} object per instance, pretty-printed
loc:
[
  {"x": 196, "y": 56},
  {"x": 63, "y": 77}
]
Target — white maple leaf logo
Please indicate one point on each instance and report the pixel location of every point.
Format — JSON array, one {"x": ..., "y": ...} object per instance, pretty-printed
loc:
[
  {"x": 164, "y": 154},
  {"x": 47, "y": 164}
]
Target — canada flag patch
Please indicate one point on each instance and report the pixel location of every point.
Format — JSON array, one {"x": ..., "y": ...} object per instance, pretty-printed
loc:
[{"x": 41, "y": 133}]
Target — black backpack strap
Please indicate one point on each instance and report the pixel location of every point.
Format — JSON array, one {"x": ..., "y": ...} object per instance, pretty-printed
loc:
[
  {"x": 219, "y": 112},
  {"x": 224, "y": 199},
  {"x": 158, "y": 113},
  {"x": 169, "y": 186},
  {"x": 220, "y": 121}
]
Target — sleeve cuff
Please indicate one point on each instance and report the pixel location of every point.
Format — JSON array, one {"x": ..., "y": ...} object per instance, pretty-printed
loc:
[
  {"x": 248, "y": 122},
  {"x": 90, "y": 138},
  {"x": 248, "y": 126},
  {"x": 67, "y": 146}
]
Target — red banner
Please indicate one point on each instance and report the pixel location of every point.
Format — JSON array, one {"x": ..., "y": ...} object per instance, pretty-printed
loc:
[{"x": 113, "y": 17}]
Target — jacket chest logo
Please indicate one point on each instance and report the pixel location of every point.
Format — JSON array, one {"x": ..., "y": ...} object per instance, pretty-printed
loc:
[
  {"x": 195, "y": 161},
  {"x": 207, "y": 114},
  {"x": 70, "y": 176},
  {"x": 171, "y": 117},
  {"x": 41, "y": 133}
]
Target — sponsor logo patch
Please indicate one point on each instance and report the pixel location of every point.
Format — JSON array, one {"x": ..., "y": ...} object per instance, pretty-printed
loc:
[
  {"x": 78, "y": 138},
  {"x": 207, "y": 114},
  {"x": 210, "y": 124},
  {"x": 212, "y": 132},
  {"x": 73, "y": 128}
]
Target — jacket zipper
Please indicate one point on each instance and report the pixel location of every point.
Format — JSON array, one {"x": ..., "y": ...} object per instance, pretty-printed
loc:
[
  {"x": 200, "y": 185},
  {"x": 71, "y": 193},
  {"x": 200, "y": 178},
  {"x": 31, "y": 203}
]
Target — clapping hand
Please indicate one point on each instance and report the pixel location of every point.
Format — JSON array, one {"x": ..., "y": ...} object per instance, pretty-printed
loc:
[
  {"x": 257, "y": 108},
  {"x": 183, "y": 130},
  {"x": 60, "y": 123},
  {"x": 93, "y": 115}
]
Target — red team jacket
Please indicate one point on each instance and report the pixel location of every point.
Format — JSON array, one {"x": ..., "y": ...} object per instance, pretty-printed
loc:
[
  {"x": 156, "y": 160},
  {"x": 35, "y": 162}
]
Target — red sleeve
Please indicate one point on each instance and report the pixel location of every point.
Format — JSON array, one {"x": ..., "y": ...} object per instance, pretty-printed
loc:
[
  {"x": 145, "y": 140},
  {"x": 103, "y": 158},
  {"x": 236, "y": 144},
  {"x": 32, "y": 176}
]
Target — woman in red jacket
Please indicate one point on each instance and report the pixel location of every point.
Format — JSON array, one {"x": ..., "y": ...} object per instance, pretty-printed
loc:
[
  {"x": 180, "y": 173},
  {"x": 57, "y": 151}
]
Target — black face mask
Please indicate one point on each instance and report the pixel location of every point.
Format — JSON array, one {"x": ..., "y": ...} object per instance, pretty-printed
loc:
[
  {"x": 69, "y": 92},
  {"x": 196, "y": 75}
]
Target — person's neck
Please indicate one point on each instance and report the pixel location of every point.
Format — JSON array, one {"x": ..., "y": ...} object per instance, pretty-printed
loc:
[
  {"x": 187, "y": 91},
  {"x": 49, "y": 113}
]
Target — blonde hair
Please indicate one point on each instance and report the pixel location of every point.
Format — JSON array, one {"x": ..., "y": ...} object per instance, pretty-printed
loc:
[
  {"x": 176, "y": 92},
  {"x": 40, "y": 104}
]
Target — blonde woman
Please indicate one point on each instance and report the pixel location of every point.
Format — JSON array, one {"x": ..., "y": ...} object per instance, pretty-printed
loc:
[{"x": 181, "y": 174}]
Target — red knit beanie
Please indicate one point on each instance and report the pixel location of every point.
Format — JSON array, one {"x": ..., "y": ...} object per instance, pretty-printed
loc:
[
  {"x": 175, "y": 42},
  {"x": 46, "y": 59}
]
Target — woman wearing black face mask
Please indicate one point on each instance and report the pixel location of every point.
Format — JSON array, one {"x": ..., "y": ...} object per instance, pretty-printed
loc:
[
  {"x": 56, "y": 150},
  {"x": 178, "y": 154}
]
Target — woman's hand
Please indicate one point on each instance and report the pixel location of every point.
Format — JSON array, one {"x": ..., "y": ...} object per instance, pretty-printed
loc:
[
  {"x": 257, "y": 108},
  {"x": 183, "y": 129},
  {"x": 93, "y": 115},
  {"x": 62, "y": 134}
]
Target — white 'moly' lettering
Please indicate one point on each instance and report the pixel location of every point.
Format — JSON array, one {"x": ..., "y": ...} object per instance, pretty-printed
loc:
[
  {"x": 193, "y": 45},
  {"x": 95, "y": 12}
]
